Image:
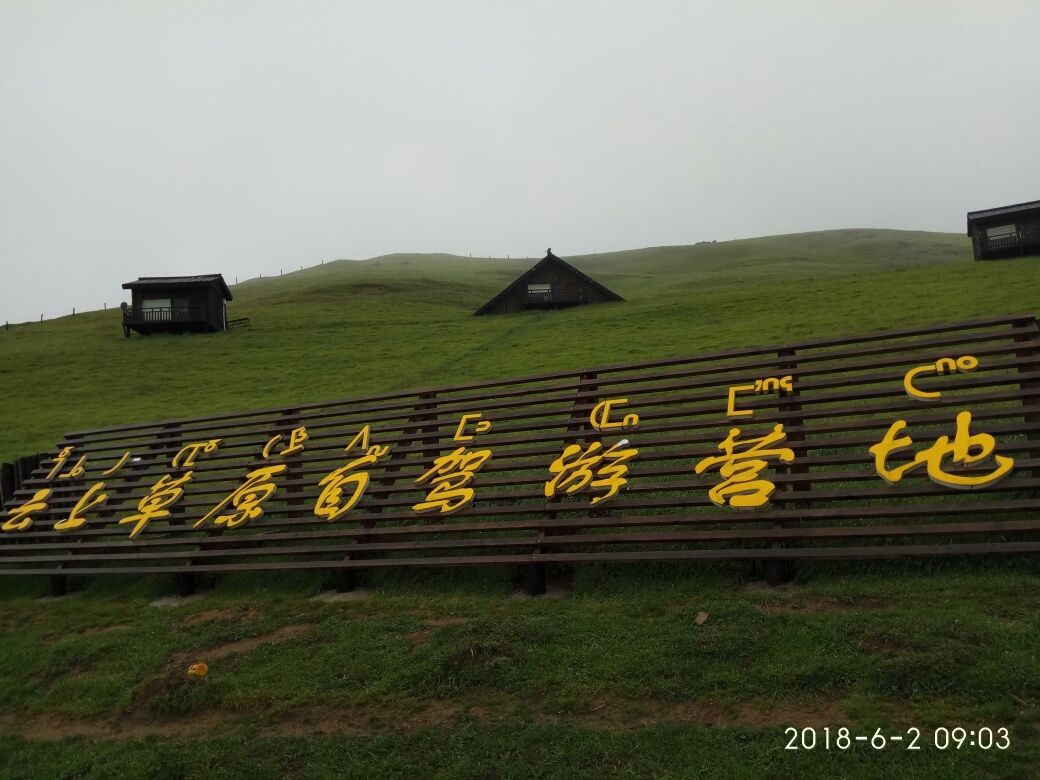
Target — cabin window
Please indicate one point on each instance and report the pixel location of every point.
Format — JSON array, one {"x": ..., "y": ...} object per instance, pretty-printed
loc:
[
  {"x": 539, "y": 288},
  {"x": 155, "y": 303},
  {"x": 1001, "y": 232}
]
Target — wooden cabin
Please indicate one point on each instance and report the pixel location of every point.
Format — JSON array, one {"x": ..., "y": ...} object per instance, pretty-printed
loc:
[
  {"x": 551, "y": 284},
  {"x": 1010, "y": 231},
  {"x": 176, "y": 304}
]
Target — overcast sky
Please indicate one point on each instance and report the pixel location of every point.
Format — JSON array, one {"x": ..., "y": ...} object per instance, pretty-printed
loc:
[{"x": 165, "y": 138}]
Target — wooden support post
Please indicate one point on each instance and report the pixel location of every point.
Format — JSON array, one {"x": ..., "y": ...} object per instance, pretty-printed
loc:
[
  {"x": 534, "y": 573},
  {"x": 346, "y": 580},
  {"x": 19, "y": 473},
  {"x": 777, "y": 572},
  {"x": 534, "y": 579},
  {"x": 59, "y": 585},
  {"x": 294, "y": 472},
  {"x": 1027, "y": 331},
  {"x": 185, "y": 584},
  {"x": 7, "y": 483}
]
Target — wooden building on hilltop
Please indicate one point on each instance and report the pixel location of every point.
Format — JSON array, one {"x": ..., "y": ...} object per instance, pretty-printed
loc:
[
  {"x": 551, "y": 284},
  {"x": 176, "y": 304},
  {"x": 1009, "y": 231}
]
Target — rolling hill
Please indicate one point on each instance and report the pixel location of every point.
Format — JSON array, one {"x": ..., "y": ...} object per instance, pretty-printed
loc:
[{"x": 350, "y": 328}]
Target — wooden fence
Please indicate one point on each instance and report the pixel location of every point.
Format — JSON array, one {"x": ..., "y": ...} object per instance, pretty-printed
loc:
[{"x": 662, "y": 454}]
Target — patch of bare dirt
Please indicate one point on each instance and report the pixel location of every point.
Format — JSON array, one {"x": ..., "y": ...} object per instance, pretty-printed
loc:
[
  {"x": 85, "y": 631},
  {"x": 283, "y": 633},
  {"x": 176, "y": 675},
  {"x": 786, "y": 587},
  {"x": 239, "y": 615},
  {"x": 826, "y": 605},
  {"x": 423, "y": 634},
  {"x": 602, "y": 713},
  {"x": 882, "y": 645}
]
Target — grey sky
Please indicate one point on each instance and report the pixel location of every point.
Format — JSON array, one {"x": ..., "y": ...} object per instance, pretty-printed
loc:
[{"x": 246, "y": 137}]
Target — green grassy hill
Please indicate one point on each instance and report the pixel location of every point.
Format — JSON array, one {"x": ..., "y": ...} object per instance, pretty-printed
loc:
[
  {"x": 444, "y": 674},
  {"x": 350, "y": 328}
]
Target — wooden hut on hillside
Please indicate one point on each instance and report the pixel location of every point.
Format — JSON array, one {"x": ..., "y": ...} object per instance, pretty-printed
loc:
[
  {"x": 176, "y": 304},
  {"x": 1008, "y": 231},
  {"x": 551, "y": 284}
]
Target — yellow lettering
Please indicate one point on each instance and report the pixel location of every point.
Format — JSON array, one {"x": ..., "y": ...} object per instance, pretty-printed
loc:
[
  {"x": 600, "y": 416},
  {"x": 296, "y": 440},
  {"x": 450, "y": 476},
  {"x": 155, "y": 506},
  {"x": 248, "y": 498},
  {"x": 908, "y": 384},
  {"x": 119, "y": 465},
  {"x": 731, "y": 410},
  {"x": 87, "y": 503},
  {"x": 482, "y": 427},
  {"x": 192, "y": 451},
  {"x": 965, "y": 365},
  {"x": 742, "y": 489},
  {"x": 59, "y": 461},
  {"x": 20, "y": 517},
  {"x": 961, "y": 450}
]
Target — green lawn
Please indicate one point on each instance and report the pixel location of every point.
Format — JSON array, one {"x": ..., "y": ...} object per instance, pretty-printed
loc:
[{"x": 445, "y": 674}]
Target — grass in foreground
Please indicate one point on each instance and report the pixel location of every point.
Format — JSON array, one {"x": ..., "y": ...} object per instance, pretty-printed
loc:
[{"x": 450, "y": 672}]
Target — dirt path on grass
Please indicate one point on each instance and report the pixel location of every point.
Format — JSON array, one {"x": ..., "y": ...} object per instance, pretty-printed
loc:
[{"x": 605, "y": 714}]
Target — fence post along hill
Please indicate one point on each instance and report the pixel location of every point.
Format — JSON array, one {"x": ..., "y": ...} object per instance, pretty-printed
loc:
[{"x": 913, "y": 442}]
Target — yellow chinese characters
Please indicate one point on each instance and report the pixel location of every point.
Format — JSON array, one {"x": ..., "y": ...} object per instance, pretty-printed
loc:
[
  {"x": 451, "y": 474},
  {"x": 573, "y": 470},
  {"x": 91, "y": 500},
  {"x": 156, "y": 505},
  {"x": 20, "y": 517},
  {"x": 248, "y": 498},
  {"x": 965, "y": 450},
  {"x": 742, "y": 488},
  {"x": 449, "y": 477},
  {"x": 330, "y": 503}
]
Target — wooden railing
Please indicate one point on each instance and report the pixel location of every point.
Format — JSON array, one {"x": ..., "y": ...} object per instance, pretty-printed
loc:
[
  {"x": 836, "y": 400},
  {"x": 1023, "y": 238},
  {"x": 165, "y": 314}
]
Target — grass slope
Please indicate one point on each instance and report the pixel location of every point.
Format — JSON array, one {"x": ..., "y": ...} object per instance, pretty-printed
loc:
[{"x": 441, "y": 673}]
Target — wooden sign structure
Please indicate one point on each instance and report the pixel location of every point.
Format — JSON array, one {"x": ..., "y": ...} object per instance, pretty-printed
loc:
[{"x": 914, "y": 442}]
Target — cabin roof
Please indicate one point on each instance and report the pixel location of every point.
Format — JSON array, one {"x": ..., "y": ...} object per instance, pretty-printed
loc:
[
  {"x": 163, "y": 282},
  {"x": 549, "y": 259},
  {"x": 1003, "y": 210}
]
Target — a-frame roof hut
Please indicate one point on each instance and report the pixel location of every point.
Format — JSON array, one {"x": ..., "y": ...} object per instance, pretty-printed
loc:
[{"x": 551, "y": 284}]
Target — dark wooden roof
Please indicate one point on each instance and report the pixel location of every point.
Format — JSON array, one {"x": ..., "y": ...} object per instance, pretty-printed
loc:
[
  {"x": 161, "y": 282},
  {"x": 548, "y": 259},
  {"x": 999, "y": 212}
]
